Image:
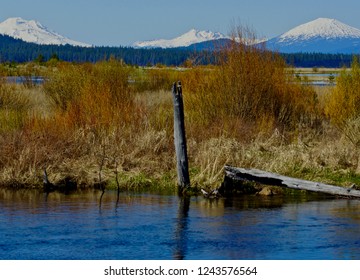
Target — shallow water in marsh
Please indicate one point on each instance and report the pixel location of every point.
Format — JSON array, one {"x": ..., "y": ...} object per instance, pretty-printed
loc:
[{"x": 151, "y": 226}]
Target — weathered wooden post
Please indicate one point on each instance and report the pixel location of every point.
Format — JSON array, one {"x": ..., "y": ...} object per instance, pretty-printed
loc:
[{"x": 180, "y": 138}]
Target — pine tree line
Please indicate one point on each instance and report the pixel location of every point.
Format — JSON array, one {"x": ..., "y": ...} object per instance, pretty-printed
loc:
[{"x": 14, "y": 50}]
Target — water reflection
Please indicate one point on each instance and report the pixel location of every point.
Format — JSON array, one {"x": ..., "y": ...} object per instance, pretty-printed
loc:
[
  {"x": 151, "y": 226},
  {"x": 181, "y": 229}
]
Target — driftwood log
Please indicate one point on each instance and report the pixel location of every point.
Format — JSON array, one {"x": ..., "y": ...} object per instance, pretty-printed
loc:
[{"x": 272, "y": 179}]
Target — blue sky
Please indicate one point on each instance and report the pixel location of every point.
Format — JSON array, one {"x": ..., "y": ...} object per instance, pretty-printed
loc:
[{"x": 122, "y": 22}]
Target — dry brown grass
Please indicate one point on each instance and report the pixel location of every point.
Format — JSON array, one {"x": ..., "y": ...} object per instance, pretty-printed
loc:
[
  {"x": 86, "y": 123},
  {"x": 322, "y": 159}
]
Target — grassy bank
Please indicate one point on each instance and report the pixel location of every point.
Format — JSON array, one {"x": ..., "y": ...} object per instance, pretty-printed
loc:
[{"x": 111, "y": 124}]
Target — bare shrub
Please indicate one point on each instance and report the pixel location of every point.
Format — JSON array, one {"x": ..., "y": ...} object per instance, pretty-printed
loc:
[{"x": 250, "y": 87}]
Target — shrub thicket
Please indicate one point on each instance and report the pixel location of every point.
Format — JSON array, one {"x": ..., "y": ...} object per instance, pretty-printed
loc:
[
  {"x": 344, "y": 102},
  {"x": 251, "y": 87},
  {"x": 13, "y": 107}
]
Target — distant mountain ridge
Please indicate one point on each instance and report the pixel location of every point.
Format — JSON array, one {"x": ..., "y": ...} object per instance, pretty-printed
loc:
[
  {"x": 189, "y": 38},
  {"x": 32, "y": 31},
  {"x": 323, "y": 35}
]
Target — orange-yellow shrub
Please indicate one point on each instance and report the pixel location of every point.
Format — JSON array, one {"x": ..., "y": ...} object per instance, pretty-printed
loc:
[
  {"x": 97, "y": 95},
  {"x": 250, "y": 87},
  {"x": 344, "y": 102}
]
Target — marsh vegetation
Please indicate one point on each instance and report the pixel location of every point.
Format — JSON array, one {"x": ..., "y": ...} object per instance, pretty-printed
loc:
[{"x": 111, "y": 123}]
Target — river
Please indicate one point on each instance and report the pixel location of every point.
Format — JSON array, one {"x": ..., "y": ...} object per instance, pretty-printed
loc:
[{"x": 36, "y": 226}]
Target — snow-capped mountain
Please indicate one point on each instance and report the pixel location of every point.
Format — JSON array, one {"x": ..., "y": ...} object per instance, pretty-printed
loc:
[
  {"x": 321, "y": 35},
  {"x": 191, "y": 37},
  {"x": 34, "y": 32}
]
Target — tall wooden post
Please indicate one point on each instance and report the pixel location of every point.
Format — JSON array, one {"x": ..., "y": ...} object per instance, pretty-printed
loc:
[{"x": 180, "y": 138}]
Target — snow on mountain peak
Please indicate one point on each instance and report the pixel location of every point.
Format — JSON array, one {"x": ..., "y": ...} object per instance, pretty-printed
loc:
[
  {"x": 193, "y": 36},
  {"x": 324, "y": 28},
  {"x": 323, "y": 35},
  {"x": 34, "y": 32}
]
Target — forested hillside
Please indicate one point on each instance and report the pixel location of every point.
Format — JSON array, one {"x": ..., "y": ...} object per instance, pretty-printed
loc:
[{"x": 14, "y": 50}]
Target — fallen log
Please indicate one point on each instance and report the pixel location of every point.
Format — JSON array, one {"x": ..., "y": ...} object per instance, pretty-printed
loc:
[{"x": 272, "y": 179}]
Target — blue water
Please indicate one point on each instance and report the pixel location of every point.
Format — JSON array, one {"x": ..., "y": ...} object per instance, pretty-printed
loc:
[
  {"x": 320, "y": 81},
  {"x": 149, "y": 226},
  {"x": 35, "y": 80},
  {"x": 317, "y": 74}
]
